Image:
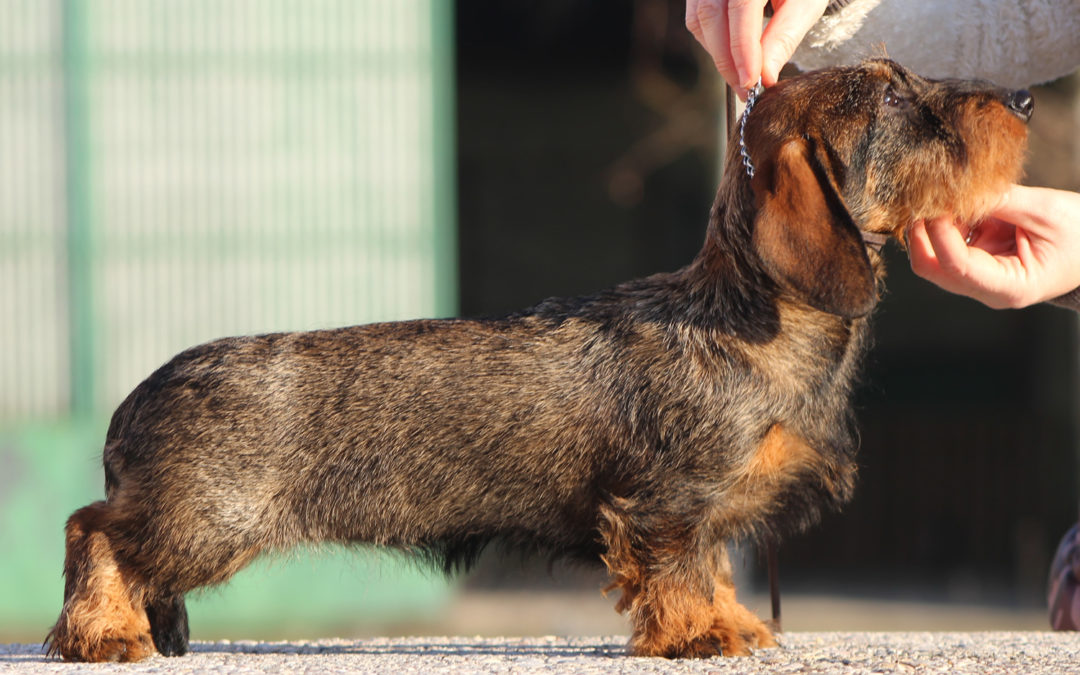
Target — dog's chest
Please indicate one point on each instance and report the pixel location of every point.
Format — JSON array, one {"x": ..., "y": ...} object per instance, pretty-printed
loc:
[
  {"x": 781, "y": 459},
  {"x": 782, "y": 463}
]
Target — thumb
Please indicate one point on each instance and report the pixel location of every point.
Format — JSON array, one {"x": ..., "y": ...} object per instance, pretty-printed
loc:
[
  {"x": 774, "y": 59},
  {"x": 789, "y": 24}
]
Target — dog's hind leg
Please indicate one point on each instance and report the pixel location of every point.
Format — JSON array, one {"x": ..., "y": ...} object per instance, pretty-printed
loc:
[
  {"x": 104, "y": 616},
  {"x": 169, "y": 625},
  {"x": 676, "y": 590}
]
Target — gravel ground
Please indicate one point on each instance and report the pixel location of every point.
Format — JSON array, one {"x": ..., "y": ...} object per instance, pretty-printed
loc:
[{"x": 953, "y": 653}]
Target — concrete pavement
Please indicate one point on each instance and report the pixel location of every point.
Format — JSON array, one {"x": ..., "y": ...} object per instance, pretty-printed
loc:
[{"x": 952, "y": 653}]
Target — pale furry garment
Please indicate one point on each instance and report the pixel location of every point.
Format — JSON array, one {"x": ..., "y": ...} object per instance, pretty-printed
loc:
[{"x": 1015, "y": 43}]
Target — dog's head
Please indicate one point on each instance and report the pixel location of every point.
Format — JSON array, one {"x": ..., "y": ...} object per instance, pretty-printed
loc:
[{"x": 846, "y": 152}]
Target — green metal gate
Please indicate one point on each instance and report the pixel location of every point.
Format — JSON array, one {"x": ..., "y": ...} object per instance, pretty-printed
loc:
[{"x": 172, "y": 171}]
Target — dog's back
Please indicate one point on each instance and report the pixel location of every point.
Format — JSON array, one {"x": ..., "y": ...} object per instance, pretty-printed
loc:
[{"x": 432, "y": 436}]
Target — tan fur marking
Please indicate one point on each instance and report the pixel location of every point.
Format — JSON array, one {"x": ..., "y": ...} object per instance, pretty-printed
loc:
[
  {"x": 103, "y": 618},
  {"x": 780, "y": 460},
  {"x": 779, "y": 457},
  {"x": 672, "y": 622}
]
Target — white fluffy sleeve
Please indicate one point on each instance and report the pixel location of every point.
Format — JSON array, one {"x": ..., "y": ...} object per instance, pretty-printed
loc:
[{"x": 1015, "y": 43}]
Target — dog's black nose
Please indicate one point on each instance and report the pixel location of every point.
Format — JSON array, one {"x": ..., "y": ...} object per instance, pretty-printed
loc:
[{"x": 1022, "y": 104}]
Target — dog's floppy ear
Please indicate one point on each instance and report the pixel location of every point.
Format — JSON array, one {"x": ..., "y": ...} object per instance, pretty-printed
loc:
[{"x": 806, "y": 237}]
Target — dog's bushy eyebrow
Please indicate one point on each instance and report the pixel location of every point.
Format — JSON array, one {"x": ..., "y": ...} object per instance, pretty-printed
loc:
[
  {"x": 896, "y": 74},
  {"x": 901, "y": 76}
]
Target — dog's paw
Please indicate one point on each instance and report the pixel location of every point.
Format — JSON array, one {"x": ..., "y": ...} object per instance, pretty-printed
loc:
[
  {"x": 722, "y": 640},
  {"x": 744, "y": 634},
  {"x": 103, "y": 650},
  {"x": 169, "y": 625},
  {"x": 735, "y": 631},
  {"x": 727, "y": 638},
  {"x": 94, "y": 642},
  {"x": 755, "y": 632}
]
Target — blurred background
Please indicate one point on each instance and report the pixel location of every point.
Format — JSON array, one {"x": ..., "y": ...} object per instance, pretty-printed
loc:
[{"x": 172, "y": 171}]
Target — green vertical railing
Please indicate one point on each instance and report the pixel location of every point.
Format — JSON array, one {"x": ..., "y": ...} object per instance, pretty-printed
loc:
[
  {"x": 79, "y": 248},
  {"x": 444, "y": 156}
]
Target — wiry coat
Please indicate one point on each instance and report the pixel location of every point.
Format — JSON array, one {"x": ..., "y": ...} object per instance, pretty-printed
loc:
[{"x": 642, "y": 426}]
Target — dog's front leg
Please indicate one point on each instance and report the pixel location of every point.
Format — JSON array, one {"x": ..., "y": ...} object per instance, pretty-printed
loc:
[{"x": 676, "y": 587}]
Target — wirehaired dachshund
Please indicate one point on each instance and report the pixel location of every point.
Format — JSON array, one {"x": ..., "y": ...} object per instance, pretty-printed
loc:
[{"x": 641, "y": 427}]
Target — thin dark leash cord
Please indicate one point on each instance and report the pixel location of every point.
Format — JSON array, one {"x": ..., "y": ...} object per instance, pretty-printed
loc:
[{"x": 771, "y": 557}]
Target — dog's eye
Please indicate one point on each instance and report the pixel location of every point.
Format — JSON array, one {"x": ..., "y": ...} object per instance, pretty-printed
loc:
[{"x": 894, "y": 99}]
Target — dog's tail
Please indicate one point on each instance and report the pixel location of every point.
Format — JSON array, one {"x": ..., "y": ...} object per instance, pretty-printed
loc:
[{"x": 111, "y": 456}]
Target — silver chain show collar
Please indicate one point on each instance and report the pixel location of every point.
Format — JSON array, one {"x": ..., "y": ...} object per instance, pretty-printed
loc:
[{"x": 751, "y": 99}]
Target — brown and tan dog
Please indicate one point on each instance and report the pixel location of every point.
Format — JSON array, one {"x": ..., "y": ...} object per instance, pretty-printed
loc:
[{"x": 643, "y": 426}]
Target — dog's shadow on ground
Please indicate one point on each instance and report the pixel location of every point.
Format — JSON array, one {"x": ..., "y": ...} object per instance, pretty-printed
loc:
[
  {"x": 26, "y": 654},
  {"x": 463, "y": 648}
]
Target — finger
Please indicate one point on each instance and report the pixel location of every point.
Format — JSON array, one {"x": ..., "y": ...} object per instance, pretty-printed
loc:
[
  {"x": 920, "y": 252},
  {"x": 745, "y": 21},
  {"x": 923, "y": 258},
  {"x": 1024, "y": 249},
  {"x": 950, "y": 249},
  {"x": 994, "y": 280},
  {"x": 786, "y": 29},
  {"x": 1024, "y": 207},
  {"x": 709, "y": 25},
  {"x": 940, "y": 255},
  {"x": 692, "y": 23}
]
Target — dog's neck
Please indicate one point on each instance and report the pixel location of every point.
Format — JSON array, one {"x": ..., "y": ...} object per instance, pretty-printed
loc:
[
  {"x": 728, "y": 255},
  {"x": 725, "y": 288},
  {"x": 729, "y": 264}
]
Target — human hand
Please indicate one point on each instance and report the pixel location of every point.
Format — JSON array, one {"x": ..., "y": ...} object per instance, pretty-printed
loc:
[
  {"x": 1027, "y": 251},
  {"x": 731, "y": 31}
]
